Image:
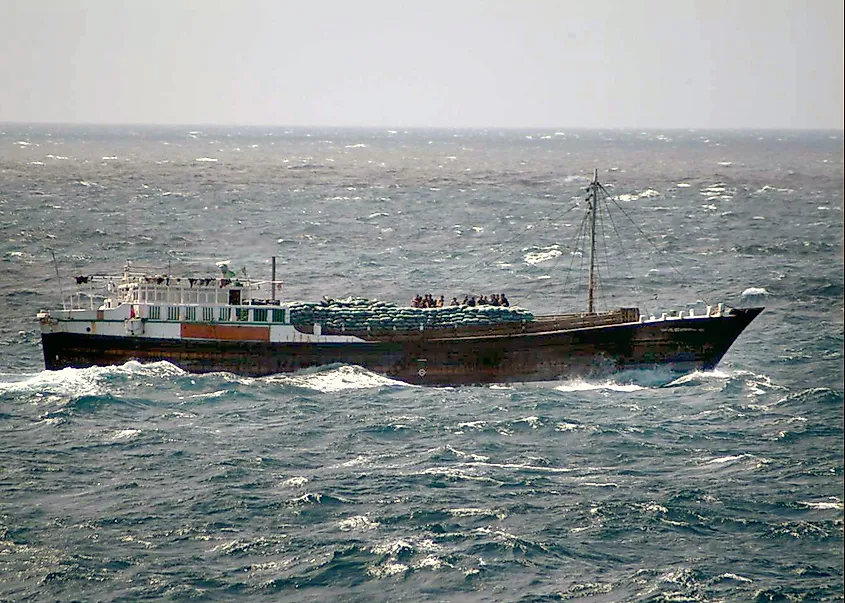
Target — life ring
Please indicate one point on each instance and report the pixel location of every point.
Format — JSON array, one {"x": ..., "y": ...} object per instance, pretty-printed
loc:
[{"x": 421, "y": 372}]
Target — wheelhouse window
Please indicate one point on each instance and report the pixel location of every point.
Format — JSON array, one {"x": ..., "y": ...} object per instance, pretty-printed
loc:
[{"x": 234, "y": 297}]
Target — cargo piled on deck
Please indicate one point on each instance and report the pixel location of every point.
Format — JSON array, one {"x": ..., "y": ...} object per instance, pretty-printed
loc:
[{"x": 359, "y": 314}]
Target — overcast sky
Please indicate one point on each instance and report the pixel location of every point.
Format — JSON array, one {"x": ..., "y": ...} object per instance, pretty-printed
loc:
[{"x": 419, "y": 63}]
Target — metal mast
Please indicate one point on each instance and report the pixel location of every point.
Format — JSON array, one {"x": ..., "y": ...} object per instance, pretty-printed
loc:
[{"x": 592, "y": 207}]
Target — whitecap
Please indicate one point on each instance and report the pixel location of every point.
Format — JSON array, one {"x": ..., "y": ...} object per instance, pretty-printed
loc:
[
  {"x": 835, "y": 505},
  {"x": 295, "y": 482},
  {"x": 767, "y": 188},
  {"x": 476, "y": 512},
  {"x": 727, "y": 459},
  {"x": 564, "y": 426},
  {"x": 125, "y": 434},
  {"x": 357, "y": 523},
  {"x": 648, "y": 193},
  {"x": 431, "y": 562},
  {"x": 205, "y": 160},
  {"x": 211, "y": 395},
  {"x": 538, "y": 468},
  {"x": 469, "y": 455},
  {"x": 754, "y": 292},
  {"x": 736, "y": 577},
  {"x": 534, "y": 422},
  {"x": 387, "y": 569},
  {"x": 472, "y": 424},
  {"x": 537, "y": 257}
]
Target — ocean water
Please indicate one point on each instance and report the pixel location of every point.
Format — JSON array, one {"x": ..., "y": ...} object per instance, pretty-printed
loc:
[{"x": 142, "y": 482}]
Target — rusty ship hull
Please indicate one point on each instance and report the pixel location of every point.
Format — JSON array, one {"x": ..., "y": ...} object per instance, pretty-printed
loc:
[{"x": 432, "y": 358}]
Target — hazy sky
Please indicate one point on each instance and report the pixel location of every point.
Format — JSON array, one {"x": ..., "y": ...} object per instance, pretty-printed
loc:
[{"x": 410, "y": 63}]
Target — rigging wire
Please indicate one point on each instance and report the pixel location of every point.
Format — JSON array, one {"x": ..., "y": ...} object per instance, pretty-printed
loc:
[
  {"x": 647, "y": 238},
  {"x": 575, "y": 251},
  {"x": 604, "y": 249},
  {"x": 504, "y": 246},
  {"x": 603, "y": 213},
  {"x": 623, "y": 250}
]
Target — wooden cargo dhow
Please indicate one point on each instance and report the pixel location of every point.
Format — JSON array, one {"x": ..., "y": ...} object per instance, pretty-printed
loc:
[{"x": 226, "y": 323}]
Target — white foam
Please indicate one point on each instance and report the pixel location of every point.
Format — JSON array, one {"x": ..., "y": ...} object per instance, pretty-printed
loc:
[
  {"x": 74, "y": 383},
  {"x": 476, "y": 512},
  {"x": 387, "y": 569},
  {"x": 534, "y": 422},
  {"x": 472, "y": 424},
  {"x": 432, "y": 563},
  {"x": 537, "y": 257},
  {"x": 754, "y": 291},
  {"x": 205, "y": 160},
  {"x": 125, "y": 434},
  {"x": 583, "y": 386},
  {"x": 727, "y": 459},
  {"x": 736, "y": 577},
  {"x": 211, "y": 395},
  {"x": 357, "y": 523},
  {"x": 295, "y": 482},
  {"x": 768, "y": 188},
  {"x": 65, "y": 382},
  {"x": 563, "y": 426},
  {"x": 836, "y": 505},
  {"x": 698, "y": 376},
  {"x": 538, "y": 468},
  {"x": 467, "y": 455},
  {"x": 338, "y": 379},
  {"x": 648, "y": 193},
  {"x": 454, "y": 473}
]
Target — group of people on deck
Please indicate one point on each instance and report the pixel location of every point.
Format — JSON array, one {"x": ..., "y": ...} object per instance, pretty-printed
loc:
[{"x": 428, "y": 301}]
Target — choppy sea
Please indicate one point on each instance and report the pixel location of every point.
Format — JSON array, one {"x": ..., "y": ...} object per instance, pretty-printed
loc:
[{"x": 142, "y": 482}]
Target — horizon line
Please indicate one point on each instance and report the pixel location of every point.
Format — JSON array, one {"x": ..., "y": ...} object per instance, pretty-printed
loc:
[{"x": 422, "y": 128}]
